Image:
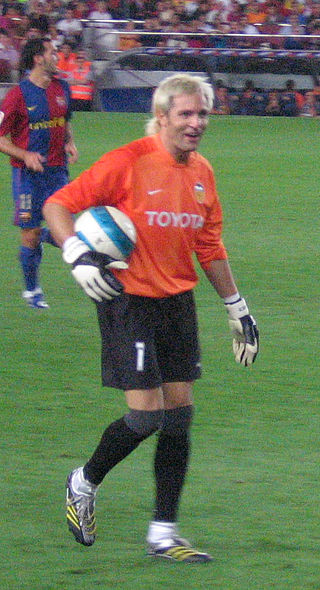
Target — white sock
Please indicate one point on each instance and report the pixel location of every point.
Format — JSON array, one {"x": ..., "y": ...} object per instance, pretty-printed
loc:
[
  {"x": 160, "y": 531},
  {"x": 37, "y": 291},
  {"x": 82, "y": 485}
]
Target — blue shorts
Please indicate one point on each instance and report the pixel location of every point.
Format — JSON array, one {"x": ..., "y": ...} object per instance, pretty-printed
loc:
[{"x": 31, "y": 189}]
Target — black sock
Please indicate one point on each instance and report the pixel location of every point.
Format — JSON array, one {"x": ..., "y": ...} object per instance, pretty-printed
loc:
[
  {"x": 116, "y": 443},
  {"x": 171, "y": 463}
]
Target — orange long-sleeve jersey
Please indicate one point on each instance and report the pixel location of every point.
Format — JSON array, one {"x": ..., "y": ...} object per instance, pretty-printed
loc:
[{"x": 175, "y": 209}]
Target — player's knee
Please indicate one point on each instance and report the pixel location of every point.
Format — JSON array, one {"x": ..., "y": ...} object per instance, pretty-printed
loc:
[
  {"x": 30, "y": 238},
  {"x": 177, "y": 421},
  {"x": 144, "y": 423}
]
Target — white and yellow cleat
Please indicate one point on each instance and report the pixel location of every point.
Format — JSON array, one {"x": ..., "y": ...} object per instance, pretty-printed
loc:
[
  {"x": 177, "y": 549},
  {"x": 81, "y": 510}
]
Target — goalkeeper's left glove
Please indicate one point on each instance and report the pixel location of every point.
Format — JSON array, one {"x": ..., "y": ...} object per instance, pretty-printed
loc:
[{"x": 245, "y": 332}]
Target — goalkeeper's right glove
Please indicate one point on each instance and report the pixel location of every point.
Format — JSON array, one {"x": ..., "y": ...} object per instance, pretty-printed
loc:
[{"x": 91, "y": 270}]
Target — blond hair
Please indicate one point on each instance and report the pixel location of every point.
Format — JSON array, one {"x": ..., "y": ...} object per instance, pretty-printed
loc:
[{"x": 173, "y": 86}]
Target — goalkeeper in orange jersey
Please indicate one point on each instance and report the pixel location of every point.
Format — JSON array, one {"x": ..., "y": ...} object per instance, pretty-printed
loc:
[{"x": 146, "y": 312}]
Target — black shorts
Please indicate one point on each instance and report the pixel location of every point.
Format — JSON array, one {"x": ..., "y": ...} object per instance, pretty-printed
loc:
[{"x": 147, "y": 341}]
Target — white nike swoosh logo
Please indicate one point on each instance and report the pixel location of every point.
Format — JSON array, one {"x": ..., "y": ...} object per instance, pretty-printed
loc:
[{"x": 158, "y": 190}]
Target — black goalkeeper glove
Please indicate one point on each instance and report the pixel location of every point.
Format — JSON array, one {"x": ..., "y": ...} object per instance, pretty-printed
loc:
[
  {"x": 245, "y": 332},
  {"x": 91, "y": 270}
]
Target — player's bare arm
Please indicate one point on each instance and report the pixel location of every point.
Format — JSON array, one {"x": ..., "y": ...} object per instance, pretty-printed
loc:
[
  {"x": 70, "y": 147},
  {"x": 59, "y": 221},
  {"x": 220, "y": 276},
  {"x": 32, "y": 160}
]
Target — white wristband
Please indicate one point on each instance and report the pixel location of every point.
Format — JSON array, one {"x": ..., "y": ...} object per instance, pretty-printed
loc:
[
  {"x": 237, "y": 310},
  {"x": 232, "y": 298},
  {"x": 72, "y": 248}
]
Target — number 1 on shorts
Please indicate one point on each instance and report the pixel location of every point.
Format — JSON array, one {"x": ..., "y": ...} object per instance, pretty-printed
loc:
[{"x": 140, "y": 348}]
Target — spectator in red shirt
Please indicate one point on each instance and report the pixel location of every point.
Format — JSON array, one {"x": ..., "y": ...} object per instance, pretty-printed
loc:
[{"x": 81, "y": 10}]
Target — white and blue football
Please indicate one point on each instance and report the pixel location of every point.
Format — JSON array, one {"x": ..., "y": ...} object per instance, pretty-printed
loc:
[{"x": 107, "y": 230}]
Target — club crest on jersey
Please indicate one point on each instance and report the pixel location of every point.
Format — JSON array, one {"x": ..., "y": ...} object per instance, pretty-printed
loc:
[
  {"x": 61, "y": 101},
  {"x": 25, "y": 216},
  {"x": 199, "y": 192}
]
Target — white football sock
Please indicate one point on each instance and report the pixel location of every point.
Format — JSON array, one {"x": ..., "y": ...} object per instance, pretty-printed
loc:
[
  {"x": 161, "y": 531},
  {"x": 81, "y": 485}
]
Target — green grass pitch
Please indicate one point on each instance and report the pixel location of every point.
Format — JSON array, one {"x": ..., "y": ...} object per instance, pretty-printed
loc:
[{"x": 252, "y": 494}]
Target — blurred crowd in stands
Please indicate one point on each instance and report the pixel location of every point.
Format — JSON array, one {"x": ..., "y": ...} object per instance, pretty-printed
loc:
[
  {"x": 287, "y": 102},
  {"x": 76, "y": 27}
]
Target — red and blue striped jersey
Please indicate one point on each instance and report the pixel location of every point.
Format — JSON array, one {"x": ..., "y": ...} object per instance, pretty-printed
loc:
[{"x": 36, "y": 119}]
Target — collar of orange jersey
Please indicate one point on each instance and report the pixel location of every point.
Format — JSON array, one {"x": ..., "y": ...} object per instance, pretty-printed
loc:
[{"x": 169, "y": 157}]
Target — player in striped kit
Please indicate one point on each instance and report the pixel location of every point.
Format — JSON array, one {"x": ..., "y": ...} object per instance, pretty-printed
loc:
[{"x": 35, "y": 132}]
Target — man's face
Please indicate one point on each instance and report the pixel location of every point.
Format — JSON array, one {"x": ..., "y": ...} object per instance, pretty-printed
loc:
[
  {"x": 183, "y": 126},
  {"x": 66, "y": 49},
  {"x": 49, "y": 59}
]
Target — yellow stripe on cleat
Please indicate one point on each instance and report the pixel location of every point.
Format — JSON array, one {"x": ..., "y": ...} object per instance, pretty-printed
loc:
[{"x": 181, "y": 553}]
